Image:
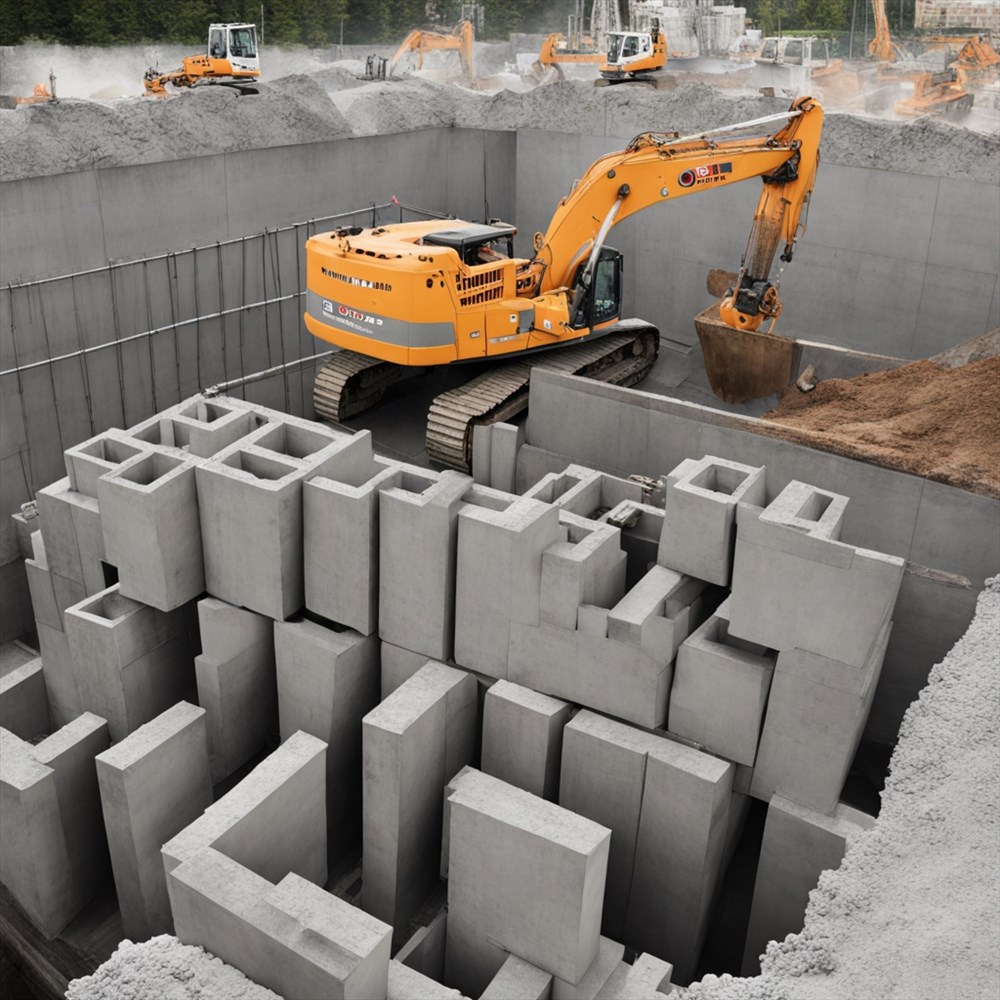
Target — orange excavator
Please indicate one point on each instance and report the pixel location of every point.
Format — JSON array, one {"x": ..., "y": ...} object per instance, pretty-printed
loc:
[
  {"x": 557, "y": 49},
  {"x": 400, "y": 298},
  {"x": 460, "y": 39},
  {"x": 231, "y": 59},
  {"x": 40, "y": 95},
  {"x": 634, "y": 55}
]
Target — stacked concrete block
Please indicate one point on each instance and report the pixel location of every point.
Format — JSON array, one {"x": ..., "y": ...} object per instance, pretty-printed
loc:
[
  {"x": 617, "y": 660},
  {"x": 522, "y": 738},
  {"x": 235, "y": 674},
  {"x": 250, "y": 508},
  {"x": 798, "y": 845},
  {"x": 499, "y": 577},
  {"x": 55, "y": 856},
  {"x": 446, "y": 830},
  {"x": 585, "y": 492},
  {"x": 699, "y": 524},
  {"x": 398, "y": 665},
  {"x": 494, "y": 454},
  {"x": 816, "y": 714},
  {"x": 668, "y": 806},
  {"x": 641, "y": 526},
  {"x": 409, "y": 984},
  {"x": 203, "y": 426},
  {"x": 327, "y": 681},
  {"x": 153, "y": 784},
  {"x": 526, "y": 878},
  {"x": 424, "y": 952},
  {"x": 414, "y": 742},
  {"x": 519, "y": 980},
  {"x": 70, "y": 522},
  {"x": 131, "y": 662},
  {"x": 646, "y": 977},
  {"x": 795, "y": 586},
  {"x": 341, "y": 537},
  {"x": 594, "y": 981},
  {"x": 24, "y": 705},
  {"x": 720, "y": 690},
  {"x": 418, "y": 529}
]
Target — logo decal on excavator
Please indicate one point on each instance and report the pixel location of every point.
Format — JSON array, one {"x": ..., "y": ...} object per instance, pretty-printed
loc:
[{"x": 707, "y": 173}]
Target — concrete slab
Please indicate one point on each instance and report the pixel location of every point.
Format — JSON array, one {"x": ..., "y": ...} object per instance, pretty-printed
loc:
[
  {"x": 798, "y": 845},
  {"x": 413, "y": 743},
  {"x": 526, "y": 877},
  {"x": 153, "y": 784},
  {"x": 522, "y": 738}
]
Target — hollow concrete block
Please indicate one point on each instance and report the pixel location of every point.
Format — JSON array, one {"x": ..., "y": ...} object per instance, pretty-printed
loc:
[
  {"x": 327, "y": 681},
  {"x": 153, "y": 784},
  {"x": 151, "y": 529},
  {"x": 816, "y": 714},
  {"x": 526, "y": 877},
  {"x": 498, "y": 578},
  {"x": 55, "y": 855},
  {"x": 518, "y": 980},
  {"x": 584, "y": 492},
  {"x": 413, "y": 743},
  {"x": 720, "y": 690},
  {"x": 799, "y": 844},
  {"x": 131, "y": 662},
  {"x": 699, "y": 523},
  {"x": 88, "y": 461},
  {"x": 522, "y": 738},
  {"x": 341, "y": 538},
  {"x": 418, "y": 532},
  {"x": 24, "y": 705},
  {"x": 235, "y": 675},
  {"x": 796, "y": 586}
]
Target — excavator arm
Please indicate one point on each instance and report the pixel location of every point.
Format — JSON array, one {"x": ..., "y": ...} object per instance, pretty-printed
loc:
[
  {"x": 460, "y": 40},
  {"x": 657, "y": 168}
]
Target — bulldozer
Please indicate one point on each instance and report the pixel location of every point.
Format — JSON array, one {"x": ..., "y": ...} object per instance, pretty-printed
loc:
[
  {"x": 460, "y": 39},
  {"x": 230, "y": 59},
  {"x": 401, "y": 298}
]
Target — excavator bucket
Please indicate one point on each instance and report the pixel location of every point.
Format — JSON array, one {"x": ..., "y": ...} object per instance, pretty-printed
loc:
[{"x": 742, "y": 365}]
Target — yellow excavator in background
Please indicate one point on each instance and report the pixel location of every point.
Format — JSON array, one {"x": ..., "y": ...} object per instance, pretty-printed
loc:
[
  {"x": 633, "y": 55},
  {"x": 557, "y": 49},
  {"x": 403, "y": 297},
  {"x": 460, "y": 39},
  {"x": 231, "y": 59},
  {"x": 40, "y": 95}
]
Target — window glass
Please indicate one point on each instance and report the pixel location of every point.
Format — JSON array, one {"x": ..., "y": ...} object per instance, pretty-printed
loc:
[
  {"x": 242, "y": 43},
  {"x": 630, "y": 46},
  {"x": 217, "y": 45},
  {"x": 605, "y": 291},
  {"x": 793, "y": 51},
  {"x": 614, "y": 47}
]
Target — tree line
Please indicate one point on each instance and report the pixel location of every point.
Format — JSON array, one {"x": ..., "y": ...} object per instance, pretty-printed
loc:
[{"x": 320, "y": 23}]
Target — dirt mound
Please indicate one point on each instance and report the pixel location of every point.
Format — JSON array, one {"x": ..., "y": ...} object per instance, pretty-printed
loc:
[{"x": 942, "y": 423}]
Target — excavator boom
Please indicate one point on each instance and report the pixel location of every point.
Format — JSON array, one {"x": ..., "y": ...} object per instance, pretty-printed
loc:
[{"x": 461, "y": 39}]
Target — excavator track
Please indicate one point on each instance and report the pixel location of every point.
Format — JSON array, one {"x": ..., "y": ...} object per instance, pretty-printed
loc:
[
  {"x": 350, "y": 383},
  {"x": 621, "y": 358}
]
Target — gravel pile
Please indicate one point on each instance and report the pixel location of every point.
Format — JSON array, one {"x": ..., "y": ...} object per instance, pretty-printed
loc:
[
  {"x": 164, "y": 969},
  {"x": 885, "y": 923}
]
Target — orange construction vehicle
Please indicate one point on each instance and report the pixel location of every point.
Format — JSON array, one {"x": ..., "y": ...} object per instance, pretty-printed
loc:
[
  {"x": 460, "y": 39},
  {"x": 231, "y": 59},
  {"x": 40, "y": 95},
  {"x": 634, "y": 55},
  {"x": 556, "y": 49},
  {"x": 936, "y": 94},
  {"x": 414, "y": 295}
]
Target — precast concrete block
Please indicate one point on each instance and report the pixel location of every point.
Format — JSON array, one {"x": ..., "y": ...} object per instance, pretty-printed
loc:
[
  {"x": 526, "y": 877},
  {"x": 446, "y": 827},
  {"x": 482, "y": 444},
  {"x": 60, "y": 677},
  {"x": 699, "y": 523},
  {"x": 398, "y": 665},
  {"x": 204, "y": 427},
  {"x": 585, "y": 492},
  {"x": 327, "y": 681},
  {"x": 609, "y": 957},
  {"x": 795, "y": 586},
  {"x": 816, "y": 714},
  {"x": 641, "y": 525},
  {"x": 273, "y": 822},
  {"x": 88, "y": 461},
  {"x": 587, "y": 568},
  {"x": 505, "y": 443},
  {"x": 70, "y": 523},
  {"x": 293, "y": 937},
  {"x": 522, "y": 738},
  {"x": 418, "y": 541},
  {"x": 51, "y": 594},
  {"x": 665, "y": 861},
  {"x": 647, "y": 977},
  {"x": 250, "y": 506},
  {"x": 424, "y": 952},
  {"x": 498, "y": 577},
  {"x": 131, "y": 661},
  {"x": 235, "y": 675},
  {"x": 720, "y": 690},
  {"x": 151, "y": 529},
  {"x": 153, "y": 784},
  {"x": 24, "y": 704},
  {"x": 799, "y": 844},
  {"x": 412, "y": 745},
  {"x": 519, "y": 980},
  {"x": 25, "y": 523},
  {"x": 410, "y": 984},
  {"x": 55, "y": 856},
  {"x": 341, "y": 538}
]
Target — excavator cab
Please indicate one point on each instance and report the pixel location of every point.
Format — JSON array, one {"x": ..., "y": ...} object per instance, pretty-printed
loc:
[
  {"x": 634, "y": 53},
  {"x": 602, "y": 304},
  {"x": 235, "y": 43}
]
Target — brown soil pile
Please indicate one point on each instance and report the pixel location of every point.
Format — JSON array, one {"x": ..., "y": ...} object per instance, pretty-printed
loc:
[{"x": 936, "y": 422}]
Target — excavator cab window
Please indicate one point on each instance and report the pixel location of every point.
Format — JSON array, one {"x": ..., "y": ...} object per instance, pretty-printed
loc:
[
  {"x": 793, "y": 52},
  {"x": 217, "y": 44},
  {"x": 630, "y": 46},
  {"x": 604, "y": 297},
  {"x": 614, "y": 47},
  {"x": 242, "y": 43}
]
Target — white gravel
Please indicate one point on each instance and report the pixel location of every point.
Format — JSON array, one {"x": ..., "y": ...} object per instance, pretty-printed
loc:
[
  {"x": 914, "y": 910},
  {"x": 164, "y": 969}
]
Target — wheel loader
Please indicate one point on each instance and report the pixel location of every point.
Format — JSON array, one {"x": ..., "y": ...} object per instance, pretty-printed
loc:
[{"x": 400, "y": 298}]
